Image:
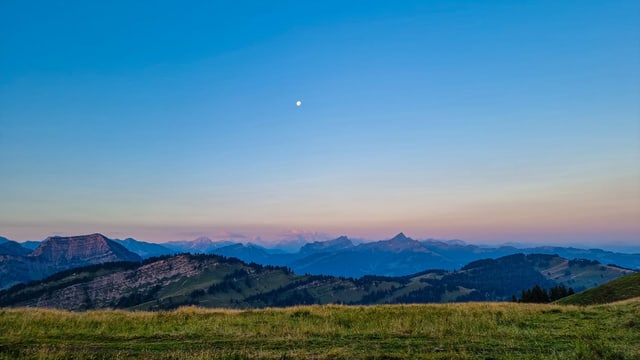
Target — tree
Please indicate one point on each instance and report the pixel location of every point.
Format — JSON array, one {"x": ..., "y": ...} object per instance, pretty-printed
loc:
[{"x": 537, "y": 294}]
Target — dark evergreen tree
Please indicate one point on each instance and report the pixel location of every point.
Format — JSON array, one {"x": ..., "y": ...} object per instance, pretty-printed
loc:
[
  {"x": 538, "y": 294},
  {"x": 535, "y": 295}
]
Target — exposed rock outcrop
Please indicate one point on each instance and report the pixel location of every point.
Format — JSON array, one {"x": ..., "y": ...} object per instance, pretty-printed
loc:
[
  {"x": 82, "y": 250},
  {"x": 59, "y": 253}
]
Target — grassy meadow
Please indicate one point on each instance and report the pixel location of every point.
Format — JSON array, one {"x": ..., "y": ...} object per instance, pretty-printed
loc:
[
  {"x": 626, "y": 287},
  {"x": 438, "y": 331}
]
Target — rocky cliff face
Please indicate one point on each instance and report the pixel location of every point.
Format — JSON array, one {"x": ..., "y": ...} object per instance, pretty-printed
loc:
[
  {"x": 103, "y": 291},
  {"x": 214, "y": 281},
  {"x": 83, "y": 250},
  {"x": 58, "y": 253}
]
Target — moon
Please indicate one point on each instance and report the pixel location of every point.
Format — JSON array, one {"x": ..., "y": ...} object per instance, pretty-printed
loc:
[{"x": 298, "y": 103}]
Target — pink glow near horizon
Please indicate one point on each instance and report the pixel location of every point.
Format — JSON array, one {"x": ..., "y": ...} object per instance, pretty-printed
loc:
[{"x": 270, "y": 236}]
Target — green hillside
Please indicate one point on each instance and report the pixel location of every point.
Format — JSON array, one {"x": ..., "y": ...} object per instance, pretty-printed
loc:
[
  {"x": 436, "y": 331},
  {"x": 623, "y": 288},
  {"x": 213, "y": 281}
]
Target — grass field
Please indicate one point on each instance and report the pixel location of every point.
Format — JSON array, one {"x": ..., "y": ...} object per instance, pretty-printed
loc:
[
  {"x": 623, "y": 288},
  {"x": 447, "y": 331}
]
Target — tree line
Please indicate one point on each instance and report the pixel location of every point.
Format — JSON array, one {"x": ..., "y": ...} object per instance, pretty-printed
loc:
[{"x": 538, "y": 294}]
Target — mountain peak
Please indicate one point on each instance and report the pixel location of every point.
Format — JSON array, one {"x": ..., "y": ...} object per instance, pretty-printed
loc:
[
  {"x": 340, "y": 243},
  {"x": 400, "y": 237},
  {"x": 94, "y": 236},
  {"x": 398, "y": 243},
  {"x": 202, "y": 240},
  {"x": 83, "y": 250}
]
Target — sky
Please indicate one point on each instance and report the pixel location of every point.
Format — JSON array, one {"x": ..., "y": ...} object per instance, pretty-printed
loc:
[{"x": 492, "y": 121}]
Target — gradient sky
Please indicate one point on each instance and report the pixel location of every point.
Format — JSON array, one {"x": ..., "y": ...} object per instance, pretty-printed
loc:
[{"x": 488, "y": 121}]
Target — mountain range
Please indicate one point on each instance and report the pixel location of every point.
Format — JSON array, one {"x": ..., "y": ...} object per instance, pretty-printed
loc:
[
  {"x": 215, "y": 281},
  {"x": 57, "y": 253},
  {"x": 398, "y": 256}
]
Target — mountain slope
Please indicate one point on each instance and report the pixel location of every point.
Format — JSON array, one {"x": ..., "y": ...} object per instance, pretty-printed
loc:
[
  {"x": 337, "y": 244},
  {"x": 144, "y": 249},
  {"x": 247, "y": 253},
  {"x": 215, "y": 281},
  {"x": 58, "y": 253},
  {"x": 31, "y": 245},
  {"x": 10, "y": 247},
  {"x": 631, "y": 261},
  {"x": 502, "y": 277},
  {"x": 623, "y": 288},
  {"x": 74, "y": 251},
  {"x": 22, "y": 269},
  {"x": 164, "y": 282},
  {"x": 398, "y": 256}
]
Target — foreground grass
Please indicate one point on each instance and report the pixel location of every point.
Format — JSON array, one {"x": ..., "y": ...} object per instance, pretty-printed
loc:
[{"x": 449, "y": 331}]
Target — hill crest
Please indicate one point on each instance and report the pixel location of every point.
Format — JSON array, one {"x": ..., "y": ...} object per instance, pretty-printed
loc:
[
  {"x": 623, "y": 288},
  {"x": 214, "y": 281}
]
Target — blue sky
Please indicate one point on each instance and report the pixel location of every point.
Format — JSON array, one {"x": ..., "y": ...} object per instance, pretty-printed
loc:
[{"x": 487, "y": 121}]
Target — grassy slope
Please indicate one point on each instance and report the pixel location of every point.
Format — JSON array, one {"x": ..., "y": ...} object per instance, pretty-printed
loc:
[
  {"x": 246, "y": 289},
  {"x": 579, "y": 274},
  {"x": 446, "y": 331},
  {"x": 623, "y": 288}
]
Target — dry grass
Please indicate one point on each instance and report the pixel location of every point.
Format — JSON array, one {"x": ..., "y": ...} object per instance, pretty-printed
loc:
[{"x": 448, "y": 331}]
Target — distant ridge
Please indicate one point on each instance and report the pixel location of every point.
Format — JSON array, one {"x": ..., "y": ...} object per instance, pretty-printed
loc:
[
  {"x": 82, "y": 250},
  {"x": 201, "y": 245},
  {"x": 58, "y": 253},
  {"x": 144, "y": 249},
  {"x": 10, "y": 247},
  {"x": 340, "y": 243},
  {"x": 214, "y": 281},
  {"x": 398, "y": 243},
  {"x": 397, "y": 256}
]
